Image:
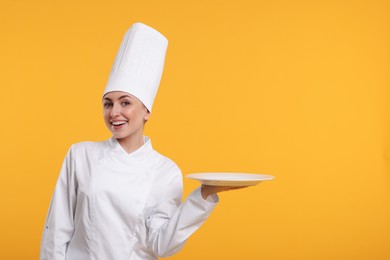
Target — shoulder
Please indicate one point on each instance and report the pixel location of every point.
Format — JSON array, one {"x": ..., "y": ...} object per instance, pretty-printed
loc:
[
  {"x": 164, "y": 162},
  {"x": 167, "y": 179},
  {"x": 165, "y": 166},
  {"x": 86, "y": 147}
]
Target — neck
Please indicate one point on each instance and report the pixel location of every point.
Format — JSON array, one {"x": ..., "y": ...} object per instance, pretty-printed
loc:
[{"x": 131, "y": 144}]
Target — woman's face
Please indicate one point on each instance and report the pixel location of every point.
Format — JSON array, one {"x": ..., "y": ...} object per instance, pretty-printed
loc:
[{"x": 124, "y": 115}]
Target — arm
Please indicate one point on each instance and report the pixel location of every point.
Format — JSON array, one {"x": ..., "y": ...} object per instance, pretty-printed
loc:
[
  {"x": 171, "y": 224},
  {"x": 59, "y": 224}
]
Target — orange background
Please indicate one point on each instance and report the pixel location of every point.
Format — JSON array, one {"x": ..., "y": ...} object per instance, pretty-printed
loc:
[{"x": 295, "y": 89}]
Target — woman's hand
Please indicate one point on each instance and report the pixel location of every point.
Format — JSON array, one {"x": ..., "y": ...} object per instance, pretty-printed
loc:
[{"x": 207, "y": 190}]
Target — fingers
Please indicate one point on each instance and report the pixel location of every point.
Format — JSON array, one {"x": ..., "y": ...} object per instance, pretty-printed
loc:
[
  {"x": 217, "y": 189},
  {"x": 227, "y": 188},
  {"x": 207, "y": 190}
]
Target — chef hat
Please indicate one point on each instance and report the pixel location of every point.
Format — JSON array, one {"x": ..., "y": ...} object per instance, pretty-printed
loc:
[{"x": 139, "y": 64}]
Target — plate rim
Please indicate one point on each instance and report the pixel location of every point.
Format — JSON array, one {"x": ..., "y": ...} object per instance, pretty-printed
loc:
[{"x": 266, "y": 176}]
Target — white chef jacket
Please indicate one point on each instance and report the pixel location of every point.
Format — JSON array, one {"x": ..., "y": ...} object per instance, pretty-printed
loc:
[{"x": 111, "y": 205}]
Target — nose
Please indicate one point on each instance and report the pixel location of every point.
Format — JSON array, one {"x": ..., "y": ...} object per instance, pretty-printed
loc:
[{"x": 115, "y": 110}]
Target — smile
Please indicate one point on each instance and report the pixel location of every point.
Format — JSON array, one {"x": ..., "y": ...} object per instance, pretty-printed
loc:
[{"x": 117, "y": 123}]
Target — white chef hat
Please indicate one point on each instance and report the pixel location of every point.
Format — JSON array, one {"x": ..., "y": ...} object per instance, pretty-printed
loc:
[{"x": 139, "y": 64}]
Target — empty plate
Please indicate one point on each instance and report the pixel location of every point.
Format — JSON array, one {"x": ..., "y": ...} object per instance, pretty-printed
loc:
[{"x": 229, "y": 179}]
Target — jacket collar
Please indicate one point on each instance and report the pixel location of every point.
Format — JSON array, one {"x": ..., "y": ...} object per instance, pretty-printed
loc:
[{"x": 140, "y": 153}]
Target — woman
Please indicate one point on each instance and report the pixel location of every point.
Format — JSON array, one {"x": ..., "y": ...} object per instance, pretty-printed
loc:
[{"x": 120, "y": 199}]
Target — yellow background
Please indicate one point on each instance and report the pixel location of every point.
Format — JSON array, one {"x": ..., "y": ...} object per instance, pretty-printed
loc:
[{"x": 296, "y": 89}]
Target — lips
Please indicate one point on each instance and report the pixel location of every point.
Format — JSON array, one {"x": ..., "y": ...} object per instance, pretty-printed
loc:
[{"x": 118, "y": 123}]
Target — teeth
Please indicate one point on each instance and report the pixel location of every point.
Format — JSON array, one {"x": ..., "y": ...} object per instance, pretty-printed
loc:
[{"x": 118, "y": 122}]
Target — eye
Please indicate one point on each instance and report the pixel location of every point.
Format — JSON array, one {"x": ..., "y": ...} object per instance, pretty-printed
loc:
[
  {"x": 107, "y": 105},
  {"x": 125, "y": 103}
]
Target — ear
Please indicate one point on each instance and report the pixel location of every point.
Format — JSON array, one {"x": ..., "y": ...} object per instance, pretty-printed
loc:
[{"x": 147, "y": 115}]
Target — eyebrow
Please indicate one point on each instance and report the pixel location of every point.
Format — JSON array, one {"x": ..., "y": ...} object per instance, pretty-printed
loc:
[{"x": 124, "y": 96}]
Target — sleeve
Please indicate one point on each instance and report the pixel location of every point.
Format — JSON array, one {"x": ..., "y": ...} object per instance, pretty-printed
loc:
[
  {"x": 59, "y": 224},
  {"x": 171, "y": 223}
]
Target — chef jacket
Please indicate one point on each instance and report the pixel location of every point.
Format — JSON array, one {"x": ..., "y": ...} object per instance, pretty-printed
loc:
[{"x": 111, "y": 205}]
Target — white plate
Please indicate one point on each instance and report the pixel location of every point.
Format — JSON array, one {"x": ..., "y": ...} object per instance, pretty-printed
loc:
[{"x": 229, "y": 179}]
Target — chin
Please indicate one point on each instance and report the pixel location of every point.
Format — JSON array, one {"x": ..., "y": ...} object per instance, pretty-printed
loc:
[
  {"x": 123, "y": 135},
  {"x": 119, "y": 136}
]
